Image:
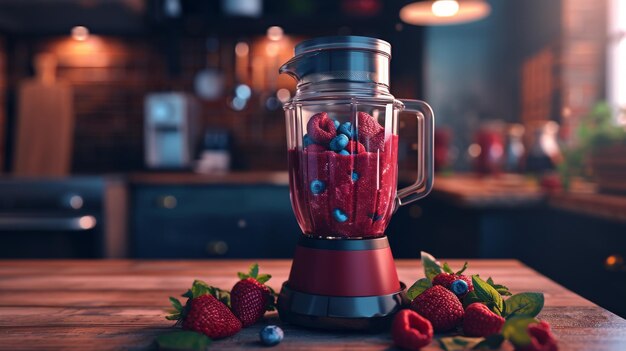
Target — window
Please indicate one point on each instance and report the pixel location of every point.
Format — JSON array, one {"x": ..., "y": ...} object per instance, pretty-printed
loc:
[{"x": 616, "y": 73}]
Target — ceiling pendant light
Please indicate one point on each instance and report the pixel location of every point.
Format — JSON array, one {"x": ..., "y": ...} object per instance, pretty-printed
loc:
[{"x": 444, "y": 12}]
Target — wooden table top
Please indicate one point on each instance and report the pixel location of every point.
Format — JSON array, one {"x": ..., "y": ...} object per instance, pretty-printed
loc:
[{"x": 119, "y": 305}]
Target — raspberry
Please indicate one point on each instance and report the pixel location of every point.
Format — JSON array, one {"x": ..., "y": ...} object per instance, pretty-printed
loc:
[
  {"x": 541, "y": 338},
  {"x": 446, "y": 280},
  {"x": 368, "y": 126},
  {"x": 440, "y": 306},
  {"x": 480, "y": 321},
  {"x": 411, "y": 331},
  {"x": 371, "y": 134},
  {"x": 321, "y": 128}
]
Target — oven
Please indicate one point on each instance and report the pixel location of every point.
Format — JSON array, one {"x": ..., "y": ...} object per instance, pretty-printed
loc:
[{"x": 60, "y": 218}]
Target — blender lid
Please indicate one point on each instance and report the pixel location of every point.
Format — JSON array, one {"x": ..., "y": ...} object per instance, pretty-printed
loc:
[{"x": 343, "y": 42}]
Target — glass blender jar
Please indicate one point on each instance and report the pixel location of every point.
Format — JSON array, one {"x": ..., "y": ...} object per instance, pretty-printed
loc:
[{"x": 342, "y": 136}]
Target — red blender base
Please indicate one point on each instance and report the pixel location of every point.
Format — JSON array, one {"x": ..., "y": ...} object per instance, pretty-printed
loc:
[{"x": 342, "y": 284}]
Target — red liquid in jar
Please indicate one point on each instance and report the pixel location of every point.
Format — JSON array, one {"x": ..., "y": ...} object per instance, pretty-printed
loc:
[{"x": 366, "y": 204}]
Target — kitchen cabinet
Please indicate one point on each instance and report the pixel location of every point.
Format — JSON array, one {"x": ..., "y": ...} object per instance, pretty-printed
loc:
[
  {"x": 461, "y": 219},
  {"x": 212, "y": 220}
]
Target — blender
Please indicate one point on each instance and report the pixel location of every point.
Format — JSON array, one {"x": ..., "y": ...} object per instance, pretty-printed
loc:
[{"x": 342, "y": 136}]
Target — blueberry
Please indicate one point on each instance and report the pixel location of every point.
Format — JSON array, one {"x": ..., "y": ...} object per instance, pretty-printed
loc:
[
  {"x": 355, "y": 176},
  {"x": 306, "y": 140},
  {"x": 344, "y": 153},
  {"x": 336, "y": 124},
  {"x": 339, "y": 142},
  {"x": 459, "y": 287},
  {"x": 346, "y": 129},
  {"x": 339, "y": 215},
  {"x": 317, "y": 186},
  {"x": 271, "y": 335}
]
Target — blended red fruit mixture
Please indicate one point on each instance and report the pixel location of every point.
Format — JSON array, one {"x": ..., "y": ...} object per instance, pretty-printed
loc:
[{"x": 338, "y": 195}]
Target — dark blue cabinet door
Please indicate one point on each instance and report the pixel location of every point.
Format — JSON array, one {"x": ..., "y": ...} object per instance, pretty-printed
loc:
[{"x": 203, "y": 221}]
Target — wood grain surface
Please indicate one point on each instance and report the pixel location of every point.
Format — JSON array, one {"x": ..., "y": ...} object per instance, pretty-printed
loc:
[
  {"x": 475, "y": 191},
  {"x": 611, "y": 207},
  {"x": 45, "y": 129},
  {"x": 120, "y": 305}
]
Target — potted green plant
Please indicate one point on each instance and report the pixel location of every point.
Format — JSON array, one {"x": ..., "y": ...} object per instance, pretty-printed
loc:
[{"x": 600, "y": 153}]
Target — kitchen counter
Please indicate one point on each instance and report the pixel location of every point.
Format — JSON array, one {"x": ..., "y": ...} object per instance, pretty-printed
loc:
[
  {"x": 611, "y": 207},
  {"x": 504, "y": 191},
  {"x": 120, "y": 305}
]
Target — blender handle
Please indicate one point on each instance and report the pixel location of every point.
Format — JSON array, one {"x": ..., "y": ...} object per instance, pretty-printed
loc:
[{"x": 425, "y": 169}]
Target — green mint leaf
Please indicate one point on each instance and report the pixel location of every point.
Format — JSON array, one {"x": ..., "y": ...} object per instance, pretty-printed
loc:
[
  {"x": 492, "y": 342},
  {"x": 199, "y": 288},
  {"x": 431, "y": 266},
  {"x": 183, "y": 340},
  {"x": 242, "y": 276},
  {"x": 173, "y": 317},
  {"x": 417, "y": 288},
  {"x": 458, "y": 343},
  {"x": 488, "y": 295},
  {"x": 176, "y": 304},
  {"x": 503, "y": 290},
  {"x": 470, "y": 298},
  {"x": 254, "y": 270},
  {"x": 527, "y": 304},
  {"x": 460, "y": 271},
  {"x": 447, "y": 269},
  {"x": 188, "y": 294},
  {"x": 516, "y": 330},
  {"x": 263, "y": 278}
]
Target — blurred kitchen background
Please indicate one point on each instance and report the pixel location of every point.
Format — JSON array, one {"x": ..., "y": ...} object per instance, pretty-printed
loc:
[{"x": 154, "y": 129}]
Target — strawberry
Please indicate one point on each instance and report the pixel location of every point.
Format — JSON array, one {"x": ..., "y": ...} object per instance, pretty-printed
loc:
[
  {"x": 250, "y": 298},
  {"x": 480, "y": 321},
  {"x": 448, "y": 277},
  {"x": 446, "y": 280},
  {"x": 205, "y": 312},
  {"x": 321, "y": 128},
  {"x": 440, "y": 306},
  {"x": 541, "y": 338},
  {"x": 411, "y": 331}
]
